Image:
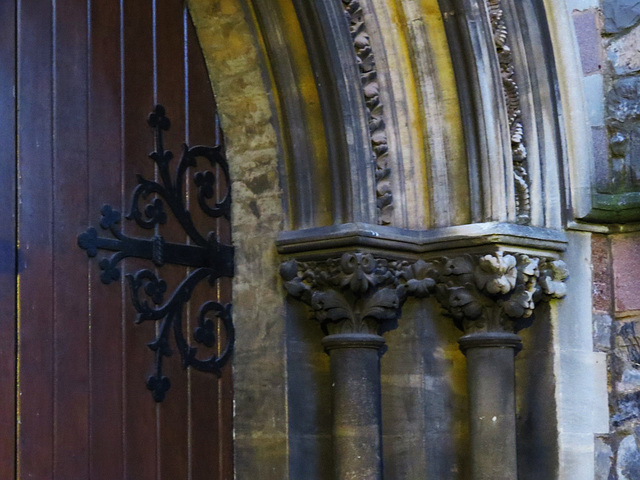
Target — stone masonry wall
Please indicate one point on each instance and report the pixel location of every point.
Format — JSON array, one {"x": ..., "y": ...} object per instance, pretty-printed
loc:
[
  {"x": 587, "y": 17},
  {"x": 236, "y": 71},
  {"x": 608, "y": 34},
  {"x": 616, "y": 302},
  {"x": 621, "y": 33}
]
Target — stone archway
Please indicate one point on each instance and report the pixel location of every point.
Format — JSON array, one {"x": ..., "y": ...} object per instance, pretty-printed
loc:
[{"x": 303, "y": 182}]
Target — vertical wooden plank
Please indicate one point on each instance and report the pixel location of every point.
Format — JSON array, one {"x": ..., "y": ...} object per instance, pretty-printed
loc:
[
  {"x": 225, "y": 385},
  {"x": 82, "y": 415},
  {"x": 170, "y": 93},
  {"x": 211, "y": 404},
  {"x": 35, "y": 320},
  {"x": 71, "y": 316},
  {"x": 204, "y": 386},
  {"x": 105, "y": 162},
  {"x": 141, "y": 460},
  {"x": 7, "y": 239}
]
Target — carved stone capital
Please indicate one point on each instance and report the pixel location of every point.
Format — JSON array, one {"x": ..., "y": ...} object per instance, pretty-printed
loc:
[
  {"x": 497, "y": 292},
  {"x": 356, "y": 293},
  {"x": 364, "y": 293}
]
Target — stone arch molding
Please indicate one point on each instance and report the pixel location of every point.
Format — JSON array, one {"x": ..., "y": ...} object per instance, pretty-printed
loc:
[
  {"x": 424, "y": 116},
  {"x": 419, "y": 131}
]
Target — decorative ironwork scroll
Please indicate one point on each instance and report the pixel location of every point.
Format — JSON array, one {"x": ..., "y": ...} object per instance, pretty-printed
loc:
[{"x": 209, "y": 258}]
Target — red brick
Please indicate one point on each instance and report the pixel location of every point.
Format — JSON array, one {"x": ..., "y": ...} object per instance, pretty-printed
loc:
[
  {"x": 625, "y": 253},
  {"x": 589, "y": 40},
  {"x": 601, "y": 260}
]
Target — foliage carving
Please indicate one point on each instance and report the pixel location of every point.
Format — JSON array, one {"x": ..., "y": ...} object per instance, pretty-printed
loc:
[{"x": 362, "y": 293}]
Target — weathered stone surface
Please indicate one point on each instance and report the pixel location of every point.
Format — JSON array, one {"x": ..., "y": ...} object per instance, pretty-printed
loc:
[
  {"x": 356, "y": 392},
  {"x": 627, "y": 344},
  {"x": 626, "y": 409},
  {"x": 630, "y": 381},
  {"x": 623, "y": 101},
  {"x": 624, "y": 361},
  {"x": 535, "y": 399},
  {"x": 259, "y": 364},
  {"x": 604, "y": 457},
  {"x": 622, "y": 105},
  {"x": 628, "y": 465},
  {"x": 601, "y": 159},
  {"x": 593, "y": 88},
  {"x": 602, "y": 332},
  {"x": 623, "y": 122},
  {"x": 425, "y": 410},
  {"x": 620, "y": 14},
  {"x": 573, "y": 5},
  {"x": 623, "y": 53}
]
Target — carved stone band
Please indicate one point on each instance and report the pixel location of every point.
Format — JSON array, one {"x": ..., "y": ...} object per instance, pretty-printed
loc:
[
  {"x": 364, "y": 293},
  {"x": 371, "y": 90}
]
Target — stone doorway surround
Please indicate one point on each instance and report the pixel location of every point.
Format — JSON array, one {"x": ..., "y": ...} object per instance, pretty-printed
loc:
[{"x": 380, "y": 128}]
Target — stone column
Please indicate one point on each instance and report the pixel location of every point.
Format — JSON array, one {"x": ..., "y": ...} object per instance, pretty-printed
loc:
[
  {"x": 355, "y": 298},
  {"x": 491, "y": 297},
  {"x": 492, "y": 416},
  {"x": 355, "y": 380}
]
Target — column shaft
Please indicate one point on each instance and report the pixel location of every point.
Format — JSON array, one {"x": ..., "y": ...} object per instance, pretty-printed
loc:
[
  {"x": 357, "y": 430},
  {"x": 491, "y": 384}
]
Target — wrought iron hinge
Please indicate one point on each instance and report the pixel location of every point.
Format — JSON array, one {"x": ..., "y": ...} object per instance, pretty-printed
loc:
[{"x": 209, "y": 258}]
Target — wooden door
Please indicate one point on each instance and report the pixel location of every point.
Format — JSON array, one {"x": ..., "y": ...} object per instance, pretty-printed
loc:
[{"x": 78, "y": 79}]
